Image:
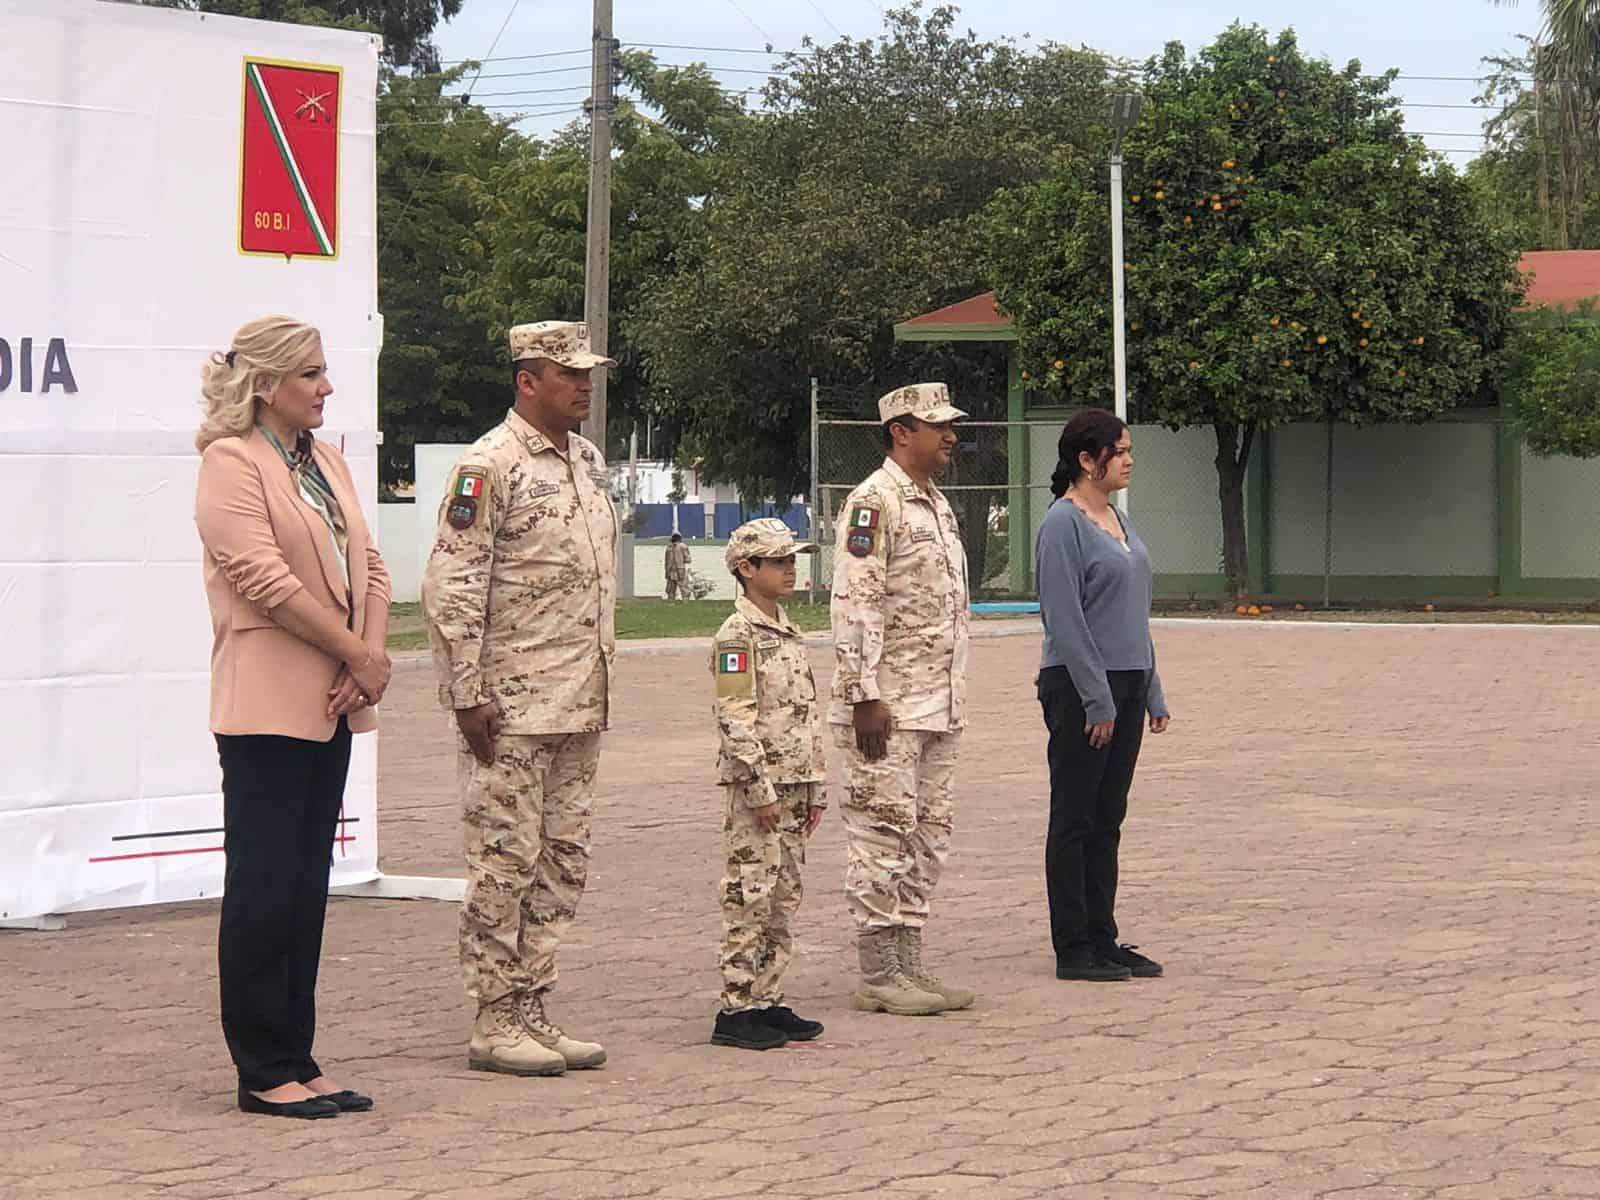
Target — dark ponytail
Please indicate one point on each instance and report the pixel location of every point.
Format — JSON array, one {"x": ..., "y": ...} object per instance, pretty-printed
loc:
[{"x": 1094, "y": 432}]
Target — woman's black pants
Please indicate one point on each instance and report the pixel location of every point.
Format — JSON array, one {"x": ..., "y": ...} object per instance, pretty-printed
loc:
[
  {"x": 1088, "y": 800},
  {"x": 280, "y": 804}
]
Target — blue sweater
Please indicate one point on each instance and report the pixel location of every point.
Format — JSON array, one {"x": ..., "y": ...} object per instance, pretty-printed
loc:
[{"x": 1094, "y": 599}]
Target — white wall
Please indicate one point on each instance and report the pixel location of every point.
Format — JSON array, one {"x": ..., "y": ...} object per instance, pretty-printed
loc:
[{"x": 396, "y": 523}]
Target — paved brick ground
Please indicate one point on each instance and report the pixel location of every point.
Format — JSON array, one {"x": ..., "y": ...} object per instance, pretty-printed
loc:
[{"x": 1366, "y": 856}]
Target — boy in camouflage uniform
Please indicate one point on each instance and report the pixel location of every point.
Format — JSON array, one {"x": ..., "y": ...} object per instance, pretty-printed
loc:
[{"x": 772, "y": 769}]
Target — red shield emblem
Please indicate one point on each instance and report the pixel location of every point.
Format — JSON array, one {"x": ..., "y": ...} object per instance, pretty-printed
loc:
[{"x": 289, "y": 168}]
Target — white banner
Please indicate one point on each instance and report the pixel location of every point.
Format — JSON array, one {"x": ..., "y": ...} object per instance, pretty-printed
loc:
[{"x": 168, "y": 177}]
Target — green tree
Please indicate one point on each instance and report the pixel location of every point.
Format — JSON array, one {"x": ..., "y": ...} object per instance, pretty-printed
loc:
[
  {"x": 848, "y": 204},
  {"x": 1553, "y": 381},
  {"x": 406, "y": 25},
  {"x": 524, "y": 247},
  {"x": 1538, "y": 171},
  {"x": 442, "y": 376},
  {"x": 1291, "y": 254}
]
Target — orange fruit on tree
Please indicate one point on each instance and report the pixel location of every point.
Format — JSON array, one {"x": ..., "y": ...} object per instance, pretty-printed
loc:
[
  {"x": 1193, "y": 366},
  {"x": 1282, "y": 92},
  {"x": 1060, "y": 364},
  {"x": 1273, "y": 322},
  {"x": 1419, "y": 339},
  {"x": 1401, "y": 372},
  {"x": 1322, "y": 339},
  {"x": 1026, "y": 376},
  {"x": 1355, "y": 314},
  {"x": 1216, "y": 207},
  {"x": 1364, "y": 343},
  {"x": 1134, "y": 199},
  {"x": 1161, "y": 195},
  {"x": 1227, "y": 164},
  {"x": 1366, "y": 324},
  {"x": 1271, "y": 58},
  {"x": 1286, "y": 363},
  {"x": 1188, "y": 220}
]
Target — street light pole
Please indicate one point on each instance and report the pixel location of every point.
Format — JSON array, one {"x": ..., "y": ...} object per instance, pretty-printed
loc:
[{"x": 1124, "y": 112}]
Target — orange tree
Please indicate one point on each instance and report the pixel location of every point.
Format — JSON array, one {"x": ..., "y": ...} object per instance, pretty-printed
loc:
[{"x": 1290, "y": 255}]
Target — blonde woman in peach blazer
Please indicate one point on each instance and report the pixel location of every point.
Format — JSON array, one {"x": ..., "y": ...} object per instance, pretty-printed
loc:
[{"x": 299, "y": 612}]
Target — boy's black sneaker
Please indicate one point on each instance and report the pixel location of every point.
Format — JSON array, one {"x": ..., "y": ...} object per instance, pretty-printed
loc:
[
  {"x": 1142, "y": 967},
  {"x": 747, "y": 1031},
  {"x": 785, "y": 1021},
  {"x": 1086, "y": 962}
]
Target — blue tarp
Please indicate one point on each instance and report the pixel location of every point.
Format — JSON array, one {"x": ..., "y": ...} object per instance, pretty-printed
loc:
[
  {"x": 730, "y": 516},
  {"x": 656, "y": 520}
]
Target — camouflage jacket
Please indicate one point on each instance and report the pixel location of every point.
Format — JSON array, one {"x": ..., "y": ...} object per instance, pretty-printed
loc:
[
  {"x": 900, "y": 604},
  {"x": 766, "y": 706},
  {"x": 677, "y": 561},
  {"x": 520, "y": 590}
]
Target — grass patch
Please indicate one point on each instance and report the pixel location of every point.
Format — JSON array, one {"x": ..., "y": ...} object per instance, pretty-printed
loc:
[{"x": 635, "y": 619}]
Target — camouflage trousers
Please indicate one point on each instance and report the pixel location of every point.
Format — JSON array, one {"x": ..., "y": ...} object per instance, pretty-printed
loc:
[
  {"x": 761, "y": 892},
  {"x": 675, "y": 586},
  {"x": 527, "y": 840},
  {"x": 897, "y": 815}
]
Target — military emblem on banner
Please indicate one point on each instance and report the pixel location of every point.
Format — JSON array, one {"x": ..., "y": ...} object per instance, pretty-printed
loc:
[{"x": 289, "y": 160}]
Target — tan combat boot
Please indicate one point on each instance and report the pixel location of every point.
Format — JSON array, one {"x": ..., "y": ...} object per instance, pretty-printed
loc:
[
  {"x": 577, "y": 1055},
  {"x": 884, "y": 986},
  {"x": 500, "y": 1042},
  {"x": 911, "y": 963}
]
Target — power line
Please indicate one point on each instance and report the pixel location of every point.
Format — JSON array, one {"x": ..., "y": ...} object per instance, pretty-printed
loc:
[
  {"x": 515, "y": 57},
  {"x": 433, "y": 157},
  {"x": 734, "y": 4}
]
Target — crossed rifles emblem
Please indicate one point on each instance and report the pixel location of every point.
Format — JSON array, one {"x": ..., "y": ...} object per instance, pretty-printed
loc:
[{"x": 310, "y": 106}]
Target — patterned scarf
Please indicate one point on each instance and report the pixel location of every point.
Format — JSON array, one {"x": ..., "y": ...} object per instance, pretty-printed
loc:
[{"x": 308, "y": 477}]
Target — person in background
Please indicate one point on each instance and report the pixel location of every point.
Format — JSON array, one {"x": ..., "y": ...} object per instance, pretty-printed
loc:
[
  {"x": 677, "y": 567},
  {"x": 299, "y": 603},
  {"x": 1097, "y": 683}
]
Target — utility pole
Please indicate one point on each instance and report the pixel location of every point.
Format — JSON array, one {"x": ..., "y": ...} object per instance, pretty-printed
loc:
[{"x": 597, "y": 265}]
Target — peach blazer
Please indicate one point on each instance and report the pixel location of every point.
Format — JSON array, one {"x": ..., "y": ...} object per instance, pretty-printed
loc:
[{"x": 264, "y": 543}]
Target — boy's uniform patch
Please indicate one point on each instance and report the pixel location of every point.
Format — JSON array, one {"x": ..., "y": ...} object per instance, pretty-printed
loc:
[{"x": 734, "y": 676}]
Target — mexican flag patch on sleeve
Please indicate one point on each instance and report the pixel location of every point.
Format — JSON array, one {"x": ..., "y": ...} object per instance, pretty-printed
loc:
[{"x": 732, "y": 662}]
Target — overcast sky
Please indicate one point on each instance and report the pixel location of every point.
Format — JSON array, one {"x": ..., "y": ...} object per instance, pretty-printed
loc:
[{"x": 1420, "y": 37}]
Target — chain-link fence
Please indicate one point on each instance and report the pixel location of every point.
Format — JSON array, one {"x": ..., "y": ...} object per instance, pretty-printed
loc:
[{"x": 992, "y": 510}]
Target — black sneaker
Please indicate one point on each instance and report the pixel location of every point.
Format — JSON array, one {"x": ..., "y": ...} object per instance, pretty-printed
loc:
[
  {"x": 786, "y": 1022},
  {"x": 747, "y": 1031},
  {"x": 1142, "y": 967},
  {"x": 1086, "y": 962}
]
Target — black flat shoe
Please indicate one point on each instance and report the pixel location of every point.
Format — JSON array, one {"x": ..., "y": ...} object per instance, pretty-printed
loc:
[
  {"x": 349, "y": 1101},
  {"x": 307, "y": 1110}
]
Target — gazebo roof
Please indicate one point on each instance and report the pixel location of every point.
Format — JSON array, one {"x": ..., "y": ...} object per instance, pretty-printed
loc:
[{"x": 1561, "y": 278}]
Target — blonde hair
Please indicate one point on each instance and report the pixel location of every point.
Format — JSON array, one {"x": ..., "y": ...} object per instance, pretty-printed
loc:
[{"x": 232, "y": 384}]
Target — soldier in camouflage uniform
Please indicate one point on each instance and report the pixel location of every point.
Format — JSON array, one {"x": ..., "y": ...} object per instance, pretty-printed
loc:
[
  {"x": 900, "y": 614},
  {"x": 772, "y": 769},
  {"x": 520, "y": 598},
  {"x": 677, "y": 568}
]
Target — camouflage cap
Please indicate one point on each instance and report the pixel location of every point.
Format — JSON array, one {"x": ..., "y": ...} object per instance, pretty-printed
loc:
[
  {"x": 765, "y": 537},
  {"x": 565, "y": 342},
  {"x": 925, "y": 401}
]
